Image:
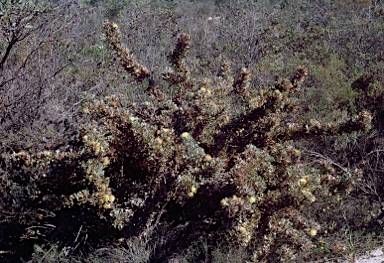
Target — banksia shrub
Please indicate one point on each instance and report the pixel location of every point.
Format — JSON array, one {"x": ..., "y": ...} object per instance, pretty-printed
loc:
[{"x": 217, "y": 155}]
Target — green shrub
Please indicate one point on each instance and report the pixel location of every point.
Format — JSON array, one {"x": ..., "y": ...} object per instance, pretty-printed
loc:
[{"x": 214, "y": 159}]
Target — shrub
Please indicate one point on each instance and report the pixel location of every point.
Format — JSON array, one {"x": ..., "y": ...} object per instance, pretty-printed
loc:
[
  {"x": 39, "y": 92},
  {"x": 369, "y": 88},
  {"x": 213, "y": 159}
]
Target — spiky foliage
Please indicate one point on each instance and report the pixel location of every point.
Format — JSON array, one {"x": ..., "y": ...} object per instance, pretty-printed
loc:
[{"x": 216, "y": 155}]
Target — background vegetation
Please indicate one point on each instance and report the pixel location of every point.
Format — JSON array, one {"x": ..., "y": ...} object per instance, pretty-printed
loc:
[{"x": 110, "y": 143}]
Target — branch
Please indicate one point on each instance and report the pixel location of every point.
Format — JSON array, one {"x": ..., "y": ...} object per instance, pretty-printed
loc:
[{"x": 127, "y": 60}]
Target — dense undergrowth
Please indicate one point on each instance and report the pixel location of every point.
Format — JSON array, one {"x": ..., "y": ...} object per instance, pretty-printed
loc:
[{"x": 173, "y": 134}]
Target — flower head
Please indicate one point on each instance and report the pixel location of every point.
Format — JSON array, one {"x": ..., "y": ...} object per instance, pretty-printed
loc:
[
  {"x": 242, "y": 229},
  {"x": 107, "y": 206},
  {"x": 252, "y": 199},
  {"x": 105, "y": 160},
  {"x": 208, "y": 157},
  {"x": 302, "y": 182},
  {"x": 85, "y": 110},
  {"x": 223, "y": 202},
  {"x": 313, "y": 232}
]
